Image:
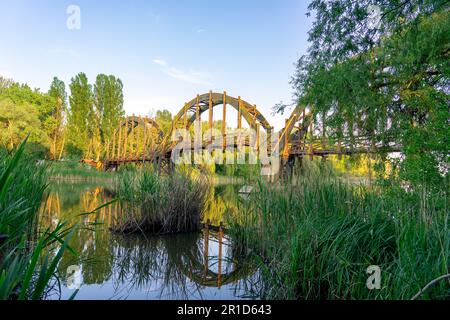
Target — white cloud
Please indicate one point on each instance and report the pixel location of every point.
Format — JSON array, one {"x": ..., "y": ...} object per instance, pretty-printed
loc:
[
  {"x": 160, "y": 62},
  {"x": 200, "y": 30},
  {"x": 192, "y": 77}
]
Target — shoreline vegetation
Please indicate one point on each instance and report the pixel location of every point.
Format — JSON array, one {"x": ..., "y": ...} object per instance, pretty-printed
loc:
[
  {"x": 316, "y": 238},
  {"x": 161, "y": 204},
  {"x": 29, "y": 255}
]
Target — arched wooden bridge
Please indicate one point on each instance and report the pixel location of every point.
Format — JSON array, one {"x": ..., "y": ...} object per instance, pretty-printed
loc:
[{"x": 140, "y": 140}]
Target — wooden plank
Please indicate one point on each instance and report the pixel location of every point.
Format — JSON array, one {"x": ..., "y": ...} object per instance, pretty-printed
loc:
[{"x": 224, "y": 120}]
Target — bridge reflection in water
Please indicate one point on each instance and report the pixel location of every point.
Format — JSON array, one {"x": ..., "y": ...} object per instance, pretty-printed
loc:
[{"x": 202, "y": 265}]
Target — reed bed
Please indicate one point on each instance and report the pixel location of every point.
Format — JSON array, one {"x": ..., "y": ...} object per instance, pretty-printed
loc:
[
  {"x": 28, "y": 259},
  {"x": 316, "y": 239},
  {"x": 161, "y": 204}
]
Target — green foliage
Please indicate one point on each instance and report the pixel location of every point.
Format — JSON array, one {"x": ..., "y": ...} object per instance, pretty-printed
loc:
[
  {"x": 27, "y": 263},
  {"x": 161, "y": 205},
  {"x": 19, "y": 120},
  {"x": 81, "y": 122},
  {"x": 315, "y": 239},
  {"x": 54, "y": 124},
  {"x": 108, "y": 101},
  {"x": 95, "y": 112},
  {"x": 164, "y": 120},
  {"x": 388, "y": 83}
]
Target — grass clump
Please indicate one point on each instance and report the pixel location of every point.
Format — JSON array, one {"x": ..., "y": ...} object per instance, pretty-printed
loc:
[
  {"x": 161, "y": 204},
  {"x": 316, "y": 239}
]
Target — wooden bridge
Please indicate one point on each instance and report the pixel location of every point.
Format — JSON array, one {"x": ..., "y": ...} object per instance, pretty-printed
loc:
[{"x": 141, "y": 140}]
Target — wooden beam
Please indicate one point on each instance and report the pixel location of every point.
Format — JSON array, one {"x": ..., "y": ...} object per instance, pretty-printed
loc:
[
  {"x": 286, "y": 138},
  {"x": 210, "y": 111},
  {"x": 224, "y": 120},
  {"x": 113, "y": 150},
  {"x": 144, "y": 140},
  {"x": 239, "y": 119},
  {"x": 138, "y": 136},
  {"x": 132, "y": 138},
  {"x": 257, "y": 137},
  {"x": 186, "y": 125},
  {"x": 197, "y": 109},
  {"x": 119, "y": 144},
  {"x": 269, "y": 141},
  {"x": 125, "y": 147}
]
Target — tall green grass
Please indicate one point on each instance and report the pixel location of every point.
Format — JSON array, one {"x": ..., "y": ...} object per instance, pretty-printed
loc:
[
  {"x": 161, "y": 204},
  {"x": 27, "y": 261},
  {"x": 316, "y": 238}
]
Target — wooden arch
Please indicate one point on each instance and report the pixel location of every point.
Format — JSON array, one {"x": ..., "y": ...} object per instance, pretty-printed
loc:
[
  {"x": 128, "y": 143},
  {"x": 207, "y": 102}
]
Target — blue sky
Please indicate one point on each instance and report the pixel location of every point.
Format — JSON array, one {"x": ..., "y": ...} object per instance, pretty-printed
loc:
[{"x": 164, "y": 51}]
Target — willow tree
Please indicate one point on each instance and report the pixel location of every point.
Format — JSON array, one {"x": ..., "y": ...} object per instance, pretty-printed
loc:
[{"x": 384, "y": 77}]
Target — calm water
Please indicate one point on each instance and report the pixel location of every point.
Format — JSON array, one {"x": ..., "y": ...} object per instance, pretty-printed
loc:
[{"x": 201, "y": 265}]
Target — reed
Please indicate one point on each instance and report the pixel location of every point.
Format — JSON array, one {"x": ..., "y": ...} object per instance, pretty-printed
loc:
[
  {"x": 28, "y": 255},
  {"x": 161, "y": 205},
  {"x": 316, "y": 239}
]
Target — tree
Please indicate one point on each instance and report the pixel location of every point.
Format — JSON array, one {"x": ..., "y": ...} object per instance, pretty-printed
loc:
[
  {"x": 54, "y": 124},
  {"x": 108, "y": 100},
  {"x": 81, "y": 115},
  {"x": 388, "y": 83},
  {"x": 19, "y": 120},
  {"x": 5, "y": 83}
]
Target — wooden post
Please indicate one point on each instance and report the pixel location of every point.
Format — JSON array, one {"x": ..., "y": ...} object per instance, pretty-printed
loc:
[
  {"x": 324, "y": 132},
  {"x": 138, "y": 138},
  {"x": 132, "y": 138},
  {"x": 113, "y": 150},
  {"x": 185, "y": 117},
  {"x": 269, "y": 141},
  {"x": 286, "y": 138},
  {"x": 144, "y": 140},
  {"x": 257, "y": 137},
  {"x": 210, "y": 111},
  {"x": 186, "y": 122},
  {"x": 125, "y": 147},
  {"x": 224, "y": 120},
  {"x": 197, "y": 110},
  {"x": 120, "y": 140},
  {"x": 239, "y": 119}
]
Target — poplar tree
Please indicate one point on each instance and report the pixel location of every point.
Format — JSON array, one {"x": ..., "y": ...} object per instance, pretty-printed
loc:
[{"x": 81, "y": 119}]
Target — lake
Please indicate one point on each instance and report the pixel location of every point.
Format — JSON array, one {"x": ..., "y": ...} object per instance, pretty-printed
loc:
[{"x": 202, "y": 265}]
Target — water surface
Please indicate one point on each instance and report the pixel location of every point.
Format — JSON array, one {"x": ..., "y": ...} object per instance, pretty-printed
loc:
[{"x": 203, "y": 265}]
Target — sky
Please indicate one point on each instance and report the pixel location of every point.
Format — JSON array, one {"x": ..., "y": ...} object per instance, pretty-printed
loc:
[{"x": 165, "y": 52}]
